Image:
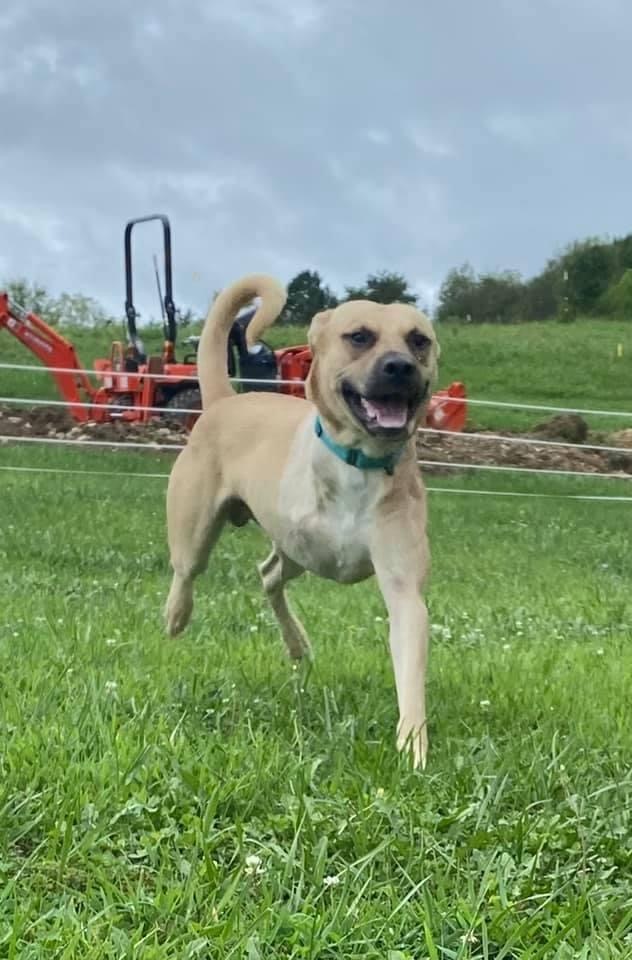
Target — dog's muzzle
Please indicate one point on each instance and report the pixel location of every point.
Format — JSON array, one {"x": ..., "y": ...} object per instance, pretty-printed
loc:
[{"x": 392, "y": 395}]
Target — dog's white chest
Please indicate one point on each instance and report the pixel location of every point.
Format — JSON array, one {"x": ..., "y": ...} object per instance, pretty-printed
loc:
[
  {"x": 328, "y": 511},
  {"x": 330, "y": 540}
]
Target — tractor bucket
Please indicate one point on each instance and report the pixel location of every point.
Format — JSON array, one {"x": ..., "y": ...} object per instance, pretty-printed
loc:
[
  {"x": 448, "y": 409},
  {"x": 293, "y": 364}
]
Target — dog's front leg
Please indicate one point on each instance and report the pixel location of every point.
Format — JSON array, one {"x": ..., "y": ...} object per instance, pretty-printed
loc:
[{"x": 400, "y": 583}]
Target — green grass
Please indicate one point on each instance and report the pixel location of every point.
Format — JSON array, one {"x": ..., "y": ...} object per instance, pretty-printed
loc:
[
  {"x": 139, "y": 775},
  {"x": 562, "y": 365},
  {"x": 567, "y": 365}
]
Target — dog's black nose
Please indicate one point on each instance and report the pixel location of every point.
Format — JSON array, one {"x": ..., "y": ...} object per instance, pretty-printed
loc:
[{"x": 397, "y": 367}]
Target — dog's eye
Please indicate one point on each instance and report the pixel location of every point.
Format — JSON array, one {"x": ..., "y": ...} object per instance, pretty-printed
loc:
[
  {"x": 361, "y": 338},
  {"x": 418, "y": 341}
]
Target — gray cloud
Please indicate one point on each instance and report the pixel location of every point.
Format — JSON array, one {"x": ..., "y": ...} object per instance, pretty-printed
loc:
[{"x": 282, "y": 134}]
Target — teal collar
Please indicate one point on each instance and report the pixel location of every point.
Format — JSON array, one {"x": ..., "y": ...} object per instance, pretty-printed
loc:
[{"x": 356, "y": 458}]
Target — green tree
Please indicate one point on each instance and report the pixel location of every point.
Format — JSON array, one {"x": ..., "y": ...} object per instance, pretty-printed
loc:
[
  {"x": 624, "y": 251},
  {"x": 489, "y": 298},
  {"x": 70, "y": 309},
  {"x": 542, "y": 295},
  {"x": 590, "y": 266},
  {"x": 384, "y": 287},
  {"x": 74, "y": 309},
  {"x": 498, "y": 297},
  {"x": 32, "y": 297},
  {"x": 457, "y": 293},
  {"x": 618, "y": 298},
  {"x": 306, "y": 296},
  {"x": 356, "y": 293}
]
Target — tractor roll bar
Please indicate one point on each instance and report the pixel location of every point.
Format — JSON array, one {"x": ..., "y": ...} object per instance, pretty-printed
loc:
[{"x": 170, "y": 307}]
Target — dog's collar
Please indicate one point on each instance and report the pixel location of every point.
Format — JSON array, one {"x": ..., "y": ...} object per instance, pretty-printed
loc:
[{"x": 356, "y": 458}]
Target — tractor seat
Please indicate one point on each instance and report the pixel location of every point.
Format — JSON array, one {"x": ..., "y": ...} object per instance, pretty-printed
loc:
[{"x": 155, "y": 365}]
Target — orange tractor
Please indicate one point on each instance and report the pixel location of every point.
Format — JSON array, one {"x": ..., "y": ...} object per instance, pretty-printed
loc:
[{"x": 134, "y": 387}]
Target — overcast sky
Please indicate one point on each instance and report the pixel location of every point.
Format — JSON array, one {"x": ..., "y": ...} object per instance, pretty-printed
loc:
[{"x": 346, "y": 136}]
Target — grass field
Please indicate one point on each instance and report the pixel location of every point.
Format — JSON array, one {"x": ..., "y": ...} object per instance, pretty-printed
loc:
[
  {"x": 200, "y": 799},
  {"x": 553, "y": 364}
]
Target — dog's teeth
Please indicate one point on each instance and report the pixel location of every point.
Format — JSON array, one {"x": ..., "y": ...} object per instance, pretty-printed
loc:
[
  {"x": 387, "y": 413},
  {"x": 368, "y": 408}
]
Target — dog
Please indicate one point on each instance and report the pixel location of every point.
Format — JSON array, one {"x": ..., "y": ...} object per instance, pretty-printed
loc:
[{"x": 332, "y": 479}]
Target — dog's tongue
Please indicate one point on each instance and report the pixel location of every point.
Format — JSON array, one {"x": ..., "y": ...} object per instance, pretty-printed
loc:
[{"x": 386, "y": 413}]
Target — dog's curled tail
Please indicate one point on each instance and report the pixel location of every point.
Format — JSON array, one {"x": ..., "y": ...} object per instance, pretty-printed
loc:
[{"x": 213, "y": 348}]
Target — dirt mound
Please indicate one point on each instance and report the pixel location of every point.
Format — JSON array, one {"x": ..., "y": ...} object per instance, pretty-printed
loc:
[
  {"x": 565, "y": 426},
  {"x": 502, "y": 450},
  {"x": 499, "y": 449},
  {"x": 56, "y": 423},
  {"x": 622, "y": 438}
]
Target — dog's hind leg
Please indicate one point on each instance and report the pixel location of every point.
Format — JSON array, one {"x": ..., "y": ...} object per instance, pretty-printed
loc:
[
  {"x": 275, "y": 571},
  {"x": 194, "y": 523}
]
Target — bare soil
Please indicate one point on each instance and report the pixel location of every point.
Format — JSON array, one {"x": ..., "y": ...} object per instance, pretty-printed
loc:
[{"x": 476, "y": 446}]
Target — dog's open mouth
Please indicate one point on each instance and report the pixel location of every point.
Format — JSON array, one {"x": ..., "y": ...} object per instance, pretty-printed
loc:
[{"x": 388, "y": 413}]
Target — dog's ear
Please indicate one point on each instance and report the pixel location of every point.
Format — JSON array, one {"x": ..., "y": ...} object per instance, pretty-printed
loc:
[
  {"x": 319, "y": 321},
  {"x": 316, "y": 328}
]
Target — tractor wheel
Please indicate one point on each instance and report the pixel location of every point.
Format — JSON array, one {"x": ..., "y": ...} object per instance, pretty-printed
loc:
[
  {"x": 188, "y": 399},
  {"x": 121, "y": 400}
]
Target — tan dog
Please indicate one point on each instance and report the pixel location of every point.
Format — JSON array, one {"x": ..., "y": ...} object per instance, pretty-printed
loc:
[{"x": 333, "y": 480}]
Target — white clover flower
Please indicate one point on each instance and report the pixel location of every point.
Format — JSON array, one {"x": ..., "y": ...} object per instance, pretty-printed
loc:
[
  {"x": 111, "y": 686},
  {"x": 332, "y": 881},
  {"x": 254, "y": 865}
]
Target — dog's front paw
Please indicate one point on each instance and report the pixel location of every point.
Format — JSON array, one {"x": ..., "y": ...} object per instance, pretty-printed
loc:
[
  {"x": 178, "y": 608},
  {"x": 413, "y": 739},
  {"x": 175, "y": 622},
  {"x": 296, "y": 641}
]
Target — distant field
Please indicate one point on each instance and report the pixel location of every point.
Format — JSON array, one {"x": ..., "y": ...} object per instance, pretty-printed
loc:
[
  {"x": 553, "y": 364},
  {"x": 574, "y": 365}
]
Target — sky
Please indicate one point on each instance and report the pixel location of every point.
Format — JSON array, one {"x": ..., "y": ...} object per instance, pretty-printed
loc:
[{"x": 345, "y": 136}]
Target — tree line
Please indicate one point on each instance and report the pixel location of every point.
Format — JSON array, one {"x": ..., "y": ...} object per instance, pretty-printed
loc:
[
  {"x": 307, "y": 294},
  {"x": 589, "y": 277}
]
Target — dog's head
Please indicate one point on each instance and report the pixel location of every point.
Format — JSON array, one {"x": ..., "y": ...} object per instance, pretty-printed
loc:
[{"x": 373, "y": 370}]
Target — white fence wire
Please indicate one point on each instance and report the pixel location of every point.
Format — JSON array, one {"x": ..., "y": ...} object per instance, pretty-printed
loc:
[
  {"x": 6, "y": 439},
  {"x": 23, "y": 402},
  {"x": 63, "y": 471},
  {"x": 503, "y": 404},
  {"x": 442, "y": 464}
]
